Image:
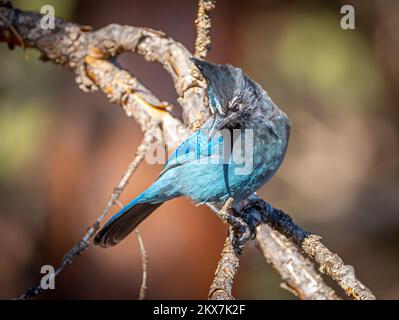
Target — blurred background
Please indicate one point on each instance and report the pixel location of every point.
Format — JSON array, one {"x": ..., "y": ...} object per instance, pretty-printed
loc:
[{"x": 62, "y": 151}]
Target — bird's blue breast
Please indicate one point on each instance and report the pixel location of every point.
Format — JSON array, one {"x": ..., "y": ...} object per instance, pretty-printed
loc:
[{"x": 199, "y": 169}]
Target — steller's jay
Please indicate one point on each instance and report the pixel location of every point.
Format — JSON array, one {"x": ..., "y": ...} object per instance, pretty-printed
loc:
[{"x": 193, "y": 170}]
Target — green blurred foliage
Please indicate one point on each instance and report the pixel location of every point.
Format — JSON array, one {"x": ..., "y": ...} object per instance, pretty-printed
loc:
[
  {"x": 314, "y": 52},
  {"x": 20, "y": 67},
  {"x": 26, "y": 105},
  {"x": 308, "y": 54},
  {"x": 63, "y": 8},
  {"x": 25, "y": 109},
  {"x": 22, "y": 130}
]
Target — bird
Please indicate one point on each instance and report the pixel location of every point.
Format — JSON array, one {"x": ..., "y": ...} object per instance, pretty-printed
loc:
[{"x": 195, "y": 170}]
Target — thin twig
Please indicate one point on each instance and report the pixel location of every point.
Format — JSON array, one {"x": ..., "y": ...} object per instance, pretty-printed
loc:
[
  {"x": 144, "y": 260},
  {"x": 85, "y": 241},
  {"x": 203, "y": 24},
  {"x": 222, "y": 285},
  {"x": 223, "y": 213},
  {"x": 229, "y": 262}
]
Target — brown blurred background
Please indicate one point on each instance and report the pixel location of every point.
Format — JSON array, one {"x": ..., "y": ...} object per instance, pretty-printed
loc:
[{"x": 62, "y": 151}]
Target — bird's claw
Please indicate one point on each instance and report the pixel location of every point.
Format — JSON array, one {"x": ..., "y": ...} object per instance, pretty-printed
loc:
[
  {"x": 250, "y": 220},
  {"x": 242, "y": 226},
  {"x": 241, "y": 233}
]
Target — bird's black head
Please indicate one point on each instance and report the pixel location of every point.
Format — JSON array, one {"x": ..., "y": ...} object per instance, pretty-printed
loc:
[
  {"x": 225, "y": 83},
  {"x": 232, "y": 96}
]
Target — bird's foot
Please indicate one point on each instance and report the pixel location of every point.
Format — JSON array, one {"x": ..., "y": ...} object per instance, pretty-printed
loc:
[
  {"x": 250, "y": 220},
  {"x": 240, "y": 230},
  {"x": 240, "y": 233}
]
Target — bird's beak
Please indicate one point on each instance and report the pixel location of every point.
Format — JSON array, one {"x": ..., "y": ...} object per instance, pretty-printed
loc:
[{"x": 217, "y": 124}]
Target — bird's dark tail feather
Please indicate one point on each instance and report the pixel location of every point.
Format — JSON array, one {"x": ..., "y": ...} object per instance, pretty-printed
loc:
[{"x": 117, "y": 229}]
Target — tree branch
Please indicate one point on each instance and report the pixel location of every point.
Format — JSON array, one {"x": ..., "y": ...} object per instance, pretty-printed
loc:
[
  {"x": 222, "y": 285},
  {"x": 332, "y": 265},
  {"x": 329, "y": 263},
  {"x": 144, "y": 263},
  {"x": 203, "y": 24},
  {"x": 297, "y": 272}
]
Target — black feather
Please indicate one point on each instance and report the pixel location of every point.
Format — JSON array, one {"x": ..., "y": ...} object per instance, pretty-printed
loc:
[{"x": 116, "y": 230}]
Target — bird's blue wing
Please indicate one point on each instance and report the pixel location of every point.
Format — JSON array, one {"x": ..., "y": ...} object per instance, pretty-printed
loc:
[{"x": 196, "y": 147}]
